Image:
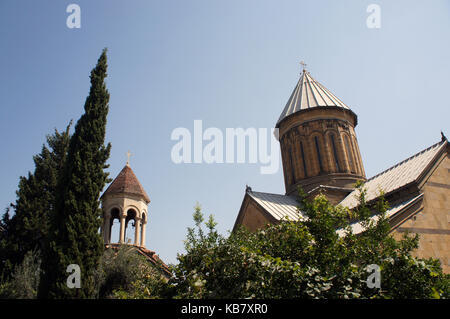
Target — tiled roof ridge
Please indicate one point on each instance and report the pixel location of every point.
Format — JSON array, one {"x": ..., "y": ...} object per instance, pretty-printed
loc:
[
  {"x": 405, "y": 160},
  {"x": 251, "y": 191},
  {"x": 332, "y": 187}
]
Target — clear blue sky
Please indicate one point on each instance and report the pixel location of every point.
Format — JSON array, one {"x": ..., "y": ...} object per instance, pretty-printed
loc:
[{"x": 229, "y": 63}]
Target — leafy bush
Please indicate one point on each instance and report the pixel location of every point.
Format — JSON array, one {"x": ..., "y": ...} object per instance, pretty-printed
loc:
[
  {"x": 123, "y": 273},
  {"x": 24, "y": 281},
  {"x": 306, "y": 259},
  {"x": 118, "y": 269},
  {"x": 149, "y": 284}
]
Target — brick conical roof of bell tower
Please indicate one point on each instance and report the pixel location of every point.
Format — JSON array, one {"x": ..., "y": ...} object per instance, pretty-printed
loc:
[{"x": 127, "y": 183}]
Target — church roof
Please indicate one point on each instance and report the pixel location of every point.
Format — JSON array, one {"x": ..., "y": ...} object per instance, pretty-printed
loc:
[
  {"x": 279, "y": 206},
  {"x": 286, "y": 207},
  {"x": 408, "y": 171},
  {"x": 357, "y": 227},
  {"x": 308, "y": 93},
  {"x": 127, "y": 183},
  {"x": 402, "y": 174}
]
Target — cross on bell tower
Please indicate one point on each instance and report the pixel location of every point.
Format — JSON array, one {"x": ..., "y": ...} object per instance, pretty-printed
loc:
[{"x": 128, "y": 158}]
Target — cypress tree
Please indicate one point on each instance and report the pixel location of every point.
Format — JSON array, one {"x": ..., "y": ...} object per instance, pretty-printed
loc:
[
  {"x": 75, "y": 237},
  {"x": 27, "y": 229}
]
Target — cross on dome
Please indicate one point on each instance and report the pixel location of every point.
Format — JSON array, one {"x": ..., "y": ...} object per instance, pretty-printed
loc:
[{"x": 303, "y": 64}]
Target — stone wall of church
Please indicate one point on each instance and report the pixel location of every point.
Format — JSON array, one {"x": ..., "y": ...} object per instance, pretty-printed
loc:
[
  {"x": 433, "y": 222},
  {"x": 252, "y": 217}
]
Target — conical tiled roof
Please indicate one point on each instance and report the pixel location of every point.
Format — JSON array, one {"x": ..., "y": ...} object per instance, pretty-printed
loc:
[
  {"x": 309, "y": 93},
  {"x": 127, "y": 183}
]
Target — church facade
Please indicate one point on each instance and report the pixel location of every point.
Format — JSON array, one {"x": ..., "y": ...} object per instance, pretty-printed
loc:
[{"x": 320, "y": 153}]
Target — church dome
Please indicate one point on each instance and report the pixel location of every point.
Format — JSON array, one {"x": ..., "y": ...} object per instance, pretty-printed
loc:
[
  {"x": 318, "y": 140},
  {"x": 307, "y": 94}
]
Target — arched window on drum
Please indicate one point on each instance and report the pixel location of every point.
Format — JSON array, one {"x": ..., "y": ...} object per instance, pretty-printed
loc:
[
  {"x": 349, "y": 154},
  {"x": 319, "y": 155},
  {"x": 335, "y": 154}
]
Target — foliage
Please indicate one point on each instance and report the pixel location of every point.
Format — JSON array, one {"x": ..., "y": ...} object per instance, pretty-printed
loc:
[
  {"x": 317, "y": 257},
  {"x": 118, "y": 268},
  {"x": 149, "y": 284},
  {"x": 27, "y": 229},
  {"x": 125, "y": 274},
  {"x": 24, "y": 280},
  {"x": 74, "y": 236}
]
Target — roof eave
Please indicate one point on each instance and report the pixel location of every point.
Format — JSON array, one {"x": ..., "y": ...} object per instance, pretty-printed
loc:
[{"x": 324, "y": 107}]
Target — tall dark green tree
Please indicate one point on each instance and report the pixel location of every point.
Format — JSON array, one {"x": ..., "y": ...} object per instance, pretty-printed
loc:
[
  {"x": 27, "y": 229},
  {"x": 74, "y": 228}
]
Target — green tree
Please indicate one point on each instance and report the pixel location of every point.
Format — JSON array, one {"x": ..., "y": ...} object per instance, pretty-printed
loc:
[
  {"x": 118, "y": 269},
  {"x": 74, "y": 235},
  {"x": 27, "y": 229},
  {"x": 24, "y": 280},
  {"x": 316, "y": 257},
  {"x": 125, "y": 274}
]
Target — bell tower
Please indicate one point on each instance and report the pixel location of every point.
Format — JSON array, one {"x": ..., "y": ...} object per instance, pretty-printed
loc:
[
  {"x": 318, "y": 140},
  {"x": 126, "y": 200}
]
